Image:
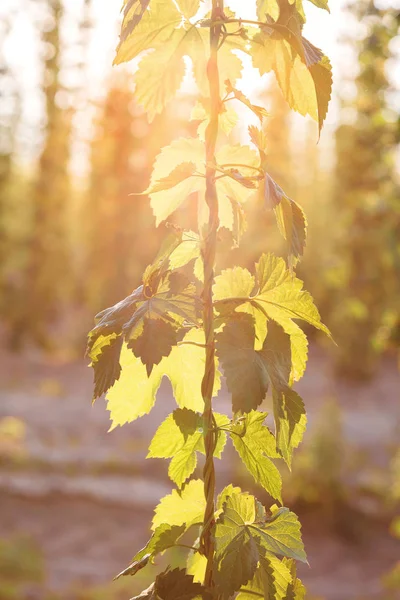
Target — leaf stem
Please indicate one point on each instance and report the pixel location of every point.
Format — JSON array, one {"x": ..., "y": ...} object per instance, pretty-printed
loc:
[{"x": 209, "y": 246}]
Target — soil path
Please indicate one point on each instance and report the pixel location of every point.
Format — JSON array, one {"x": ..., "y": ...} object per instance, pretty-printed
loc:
[{"x": 83, "y": 495}]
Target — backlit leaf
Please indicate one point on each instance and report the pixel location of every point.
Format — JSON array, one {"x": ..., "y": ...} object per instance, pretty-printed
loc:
[
  {"x": 105, "y": 353},
  {"x": 281, "y": 535},
  {"x": 270, "y": 582},
  {"x": 243, "y": 532},
  {"x": 179, "y": 437},
  {"x": 292, "y": 224},
  {"x": 177, "y": 585},
  {"x": 181, "y": 507},
  {"x": 189, "y": 7},
  {"x": 179, "y": 174},
  {"x": 154, "y": 28},
  {"x": 321, "y": 4},
  {"x": 246, "y": 375},
  {"x": 156, "y": 339},
  {"x": 165, "y": 536},
  {"x": 133, "y": 395},
  {"x": 255, "y": 443},
  {"x": 166, "y": 202},
  {"x": 307, "y": 89}
]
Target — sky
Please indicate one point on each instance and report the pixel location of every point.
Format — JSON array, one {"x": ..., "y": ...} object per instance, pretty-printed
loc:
[{"x": 21, "y": 50}]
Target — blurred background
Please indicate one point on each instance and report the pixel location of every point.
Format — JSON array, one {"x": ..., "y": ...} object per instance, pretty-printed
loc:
[{"x": 76, "y": 502}]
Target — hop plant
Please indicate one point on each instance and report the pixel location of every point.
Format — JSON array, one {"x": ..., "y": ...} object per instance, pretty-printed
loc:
[{"x": 191, "y": 324}]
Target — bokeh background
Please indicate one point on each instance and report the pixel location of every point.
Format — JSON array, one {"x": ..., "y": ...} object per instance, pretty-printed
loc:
[{"x": 75, "y": 502}]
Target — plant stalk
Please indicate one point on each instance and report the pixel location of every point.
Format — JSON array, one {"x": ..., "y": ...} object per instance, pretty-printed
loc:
[{"x": 208, "y": 255}]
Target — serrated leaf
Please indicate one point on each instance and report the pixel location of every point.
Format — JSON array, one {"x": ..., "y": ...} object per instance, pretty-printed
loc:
[
  {"x": 270, "y": 582},
  {"x": 165, "y": 203},
  {"x": 281, "y": 295},
  {"x": 259, "y": 111},
  {"x": 270, "y": 193},
  {"x": 189, "y": 7},
  {"x": 182, "y": 507},
  {"x": 160, "y": 73},
  {"x": 281, "y": 535},
  {"x": 104, "y": 350},
  {"x": 133, "y": 395},
  {"x": 133, "y": 13},
  {"x": 290, "y": 421},
  {"x": 196, "y": 565},
  {"x": 165, "y": 536},
  {"x": 178, "y": 585},
  {"x": 255, "y": 444},
  {"x": 179, "y": 174},
  {"x": 246, "y": 375},
  {"x": 155, "y": 341},
  {"x": 305, "y": 79},
  {"x": 176, "y": 304},
  {"x": 289, "y": 411},
  {"x": 292, "y": 224},
  {"x": 236, "y": 567},
  {"x": 179, "y": 437},
  {"x": 321, "y": 4},
  {"x": 153, "y": 29},
  {"x": 242, "y": 530},
  {"x": 239, "y": 283}
]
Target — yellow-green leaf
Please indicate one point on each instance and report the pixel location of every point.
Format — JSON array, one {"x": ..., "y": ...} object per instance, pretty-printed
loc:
[
  {"x": 185, "y": 506},
  {"x": 255, "y": 444}
]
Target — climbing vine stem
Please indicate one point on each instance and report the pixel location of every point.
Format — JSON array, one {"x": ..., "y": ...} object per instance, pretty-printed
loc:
[{"x": 208, "y": 255}]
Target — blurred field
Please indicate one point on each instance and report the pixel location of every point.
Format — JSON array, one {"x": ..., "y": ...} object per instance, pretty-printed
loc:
[
  {"x": 76, "y": 501},
  {"x": 79, "y": 500}
]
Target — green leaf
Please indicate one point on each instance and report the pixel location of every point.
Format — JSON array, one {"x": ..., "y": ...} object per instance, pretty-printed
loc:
[
  {"x": 236, "y": 567},
  {"x": 281, "y": 295},
  {"x": 239, "y": 283},
  {"x": 305, "y": 79},
  {"x": 259, "y": 111},
  {"x": 133, "y": 13},
  {"x": 270, "y": 582},
  {"x": 246, "y": 375},
  {"x": 160, "y": 73},
  {"x": 182, "y": 507},
  {"x": 153, "y": 29},
  {"x": 290, "y": 421},
  {"x": 296, "y": 590},
  {"x": 243, "y": 533},
  {"x": 104, "y": 350},
  {"x": 292, "y": 224},
  {"x": 177, "y": 585},
  {"x": 165, "y": 536},
  {"x": 155, "y": 340},
  {"x": 236, "y": 553},
  {"x": 289, "y": 411},
  {"x": 133, "y": 395},
  {"x": 179, "y": 437},
  {"x": 189, "y": 7},
  {"x": 281, "y": 535},
  {"x": 179, "y": 174},
  {"x": 321, "y": 4},
  {"x": 166, "y": 202},
  {"x": 255, "y": 444},
  {"x": 173, "y": 299},
  {"x": 173, "y": 585},
  {"x": 196, "y": 565}
]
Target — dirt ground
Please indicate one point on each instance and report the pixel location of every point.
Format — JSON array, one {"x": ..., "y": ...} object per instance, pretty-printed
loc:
[{"x": 86, "y": 499}]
